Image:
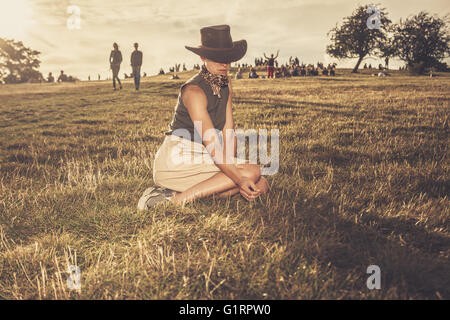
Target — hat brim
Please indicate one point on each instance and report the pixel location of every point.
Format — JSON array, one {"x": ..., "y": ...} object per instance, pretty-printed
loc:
[{"x": 232, "y": 54}]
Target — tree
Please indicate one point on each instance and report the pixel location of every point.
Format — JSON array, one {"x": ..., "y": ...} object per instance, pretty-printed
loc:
[
  {"x": 18, "y": 63},
  {"x": 422, "y": 41},
  {"x": 358, "y": 37}
]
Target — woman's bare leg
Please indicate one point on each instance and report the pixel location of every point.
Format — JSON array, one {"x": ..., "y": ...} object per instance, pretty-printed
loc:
[{"x": 218, "y": 183}]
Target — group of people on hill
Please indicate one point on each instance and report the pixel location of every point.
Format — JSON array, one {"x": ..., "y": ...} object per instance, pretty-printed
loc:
[
  {"x": 271, "y": 63},
  {"x": 251, "y": 75},
  {"x": 380, "y": 66},
  {"x": 296, "y": 69},
  {"x": 61, "y": 78},
  {"x": 176, "y": 69},
  {"x": 244, "y": 65},
  {"x": 131, "y": 75},
  {"x": 302, "y": 70},
  {"x": 293, "y": 69},
  {"x": 173, "y": 69}
]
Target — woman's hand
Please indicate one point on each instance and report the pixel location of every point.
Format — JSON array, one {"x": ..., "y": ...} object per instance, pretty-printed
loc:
[{"x": 248, "y": 189}]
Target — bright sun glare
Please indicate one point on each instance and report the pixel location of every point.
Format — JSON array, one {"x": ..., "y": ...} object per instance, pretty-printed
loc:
[{"x": 15, "y": 18}]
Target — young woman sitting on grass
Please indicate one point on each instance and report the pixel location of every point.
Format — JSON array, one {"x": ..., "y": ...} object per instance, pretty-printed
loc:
[{"x": 204, "y": 99}]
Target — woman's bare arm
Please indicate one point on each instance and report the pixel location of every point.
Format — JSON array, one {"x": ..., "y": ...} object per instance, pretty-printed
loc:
[
  {"x": 196, "y": 103},
  {"x": 228, "y": 133}
]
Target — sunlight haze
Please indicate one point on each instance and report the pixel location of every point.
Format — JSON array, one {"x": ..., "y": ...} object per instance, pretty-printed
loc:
[{"x": 164, "y": 27}]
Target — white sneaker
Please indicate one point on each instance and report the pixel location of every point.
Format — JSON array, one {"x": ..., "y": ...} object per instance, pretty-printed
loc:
[{"x": 152, "y": 196}]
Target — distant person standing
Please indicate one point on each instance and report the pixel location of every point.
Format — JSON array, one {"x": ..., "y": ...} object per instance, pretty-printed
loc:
[
  {"x": 136, "y": 63},
  {"x": 252, "y": 74},
  {"x": 115, "y": 59},
  {"x": 239, "y": 74},
  {"x": 62, "y": 77},
  {"x": 271, "y": 64},
  {"x": 50, "y": 77}
]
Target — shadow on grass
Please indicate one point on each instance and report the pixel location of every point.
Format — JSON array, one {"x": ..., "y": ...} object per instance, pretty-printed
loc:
[
  {"x": 290, "y": 104},
  {"x": 412, "y": 258}
]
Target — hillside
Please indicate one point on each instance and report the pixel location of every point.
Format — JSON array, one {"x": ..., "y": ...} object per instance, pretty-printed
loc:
[{"x": 363, "y": 180}]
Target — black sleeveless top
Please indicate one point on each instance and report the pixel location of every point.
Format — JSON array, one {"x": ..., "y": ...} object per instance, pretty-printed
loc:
[{"x": 216, "y": 108}]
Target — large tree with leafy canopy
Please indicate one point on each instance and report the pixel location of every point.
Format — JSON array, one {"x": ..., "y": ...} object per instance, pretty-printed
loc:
[
  {"x": 357, "y": 37},
  {"x": 18, "y": 63},
  {"x": 422, "y": 41}
]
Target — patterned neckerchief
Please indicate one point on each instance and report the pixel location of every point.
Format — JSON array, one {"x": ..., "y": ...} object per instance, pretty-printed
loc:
[{"x": 215, "y": 81}]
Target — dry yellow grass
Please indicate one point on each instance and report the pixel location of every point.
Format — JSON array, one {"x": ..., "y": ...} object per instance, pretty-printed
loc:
[{"x": 363, "y": 179}]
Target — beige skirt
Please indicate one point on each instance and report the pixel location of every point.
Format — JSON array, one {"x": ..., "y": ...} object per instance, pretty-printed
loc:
[{"x": 180, "y": 164}]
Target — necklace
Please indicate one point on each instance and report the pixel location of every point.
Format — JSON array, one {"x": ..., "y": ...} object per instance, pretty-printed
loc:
[{"x": 215, "y": 81}]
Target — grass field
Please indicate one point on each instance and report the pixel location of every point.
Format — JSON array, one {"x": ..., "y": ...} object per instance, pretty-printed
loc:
[{"x": 363, "y": 179}]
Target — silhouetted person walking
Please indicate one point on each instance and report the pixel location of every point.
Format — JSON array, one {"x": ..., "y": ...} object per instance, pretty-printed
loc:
[
  {"x": 136, "y": 63},
  {"x": 115, "y": 59}
]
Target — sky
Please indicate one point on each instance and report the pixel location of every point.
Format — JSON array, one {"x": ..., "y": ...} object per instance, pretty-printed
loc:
[{"x": 163, "y": 27}]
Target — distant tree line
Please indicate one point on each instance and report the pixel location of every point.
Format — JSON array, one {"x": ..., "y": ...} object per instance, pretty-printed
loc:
[{"x": 422, "y": 41}]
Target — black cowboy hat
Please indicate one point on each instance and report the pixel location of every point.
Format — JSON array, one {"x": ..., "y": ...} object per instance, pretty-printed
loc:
[{"x": 218, "y": 46}]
